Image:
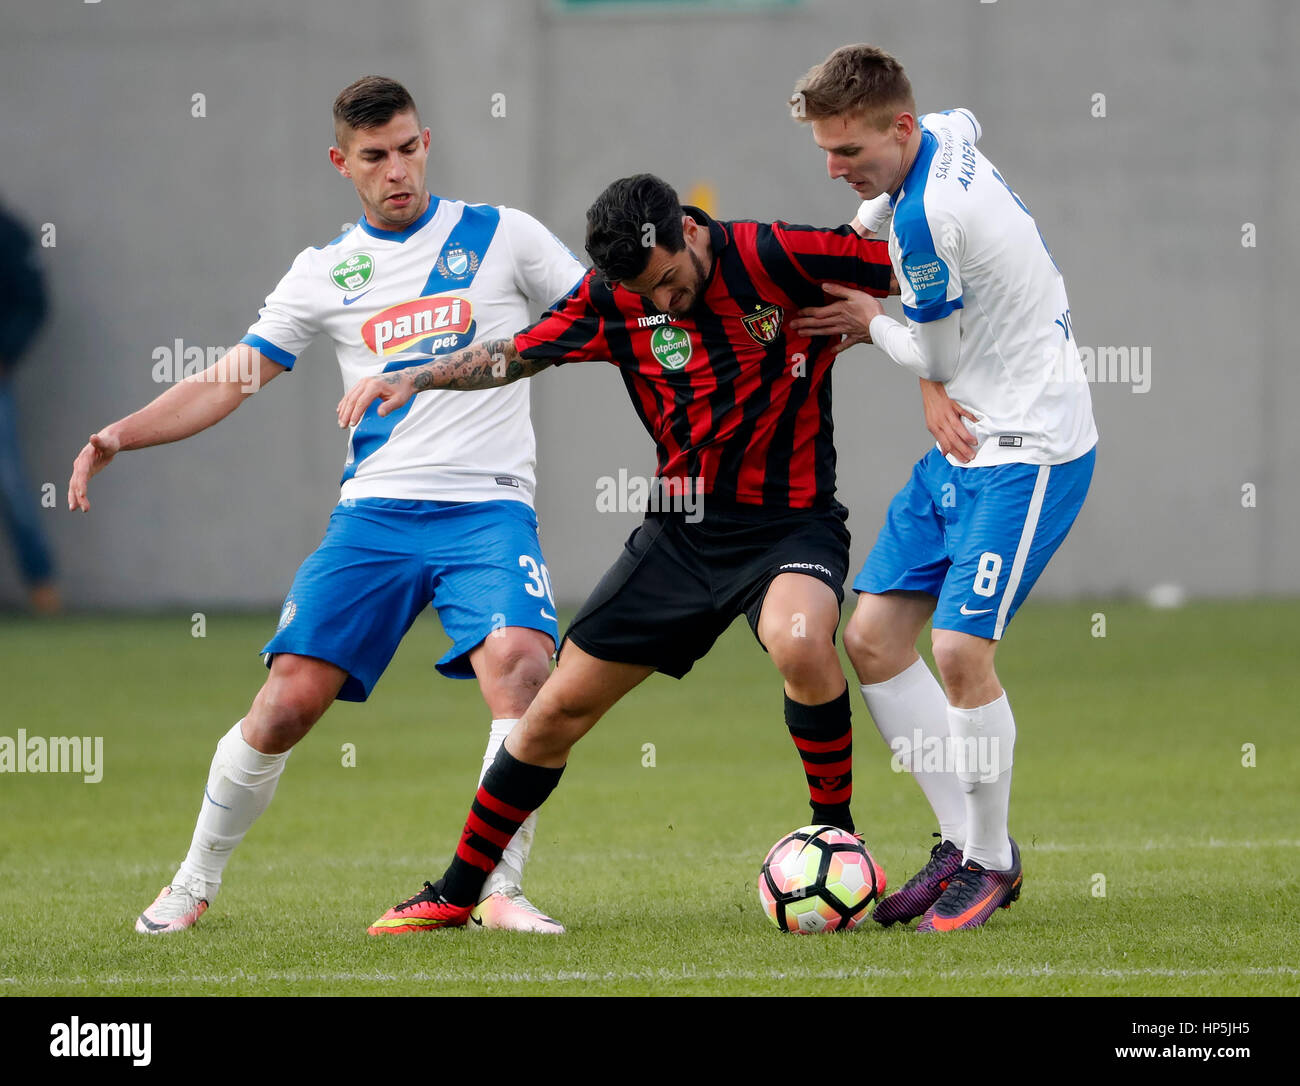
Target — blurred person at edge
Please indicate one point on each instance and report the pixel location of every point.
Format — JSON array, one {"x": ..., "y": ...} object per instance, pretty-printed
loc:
[{"x": 23, "y": 306}]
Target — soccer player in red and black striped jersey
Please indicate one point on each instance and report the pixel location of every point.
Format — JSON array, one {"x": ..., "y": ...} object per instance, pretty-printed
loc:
[{"x": 695, "y": 315}]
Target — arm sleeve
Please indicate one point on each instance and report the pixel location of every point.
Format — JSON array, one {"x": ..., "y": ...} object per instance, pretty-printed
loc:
[
  {"x": 873, "y": 214},
  {"x": 964, "y": 121},
  {"x": 285, "y": 326},
  {"x": 571, "y": 331},
  {"x": 930, "y": 248},
  {"x": 801, "y": 258},
  {"x": 928, "y": 350},
  {"x": 545, "y": 270}
]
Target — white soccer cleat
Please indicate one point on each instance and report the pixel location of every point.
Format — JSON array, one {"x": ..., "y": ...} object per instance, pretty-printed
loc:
[
  {"x": 508, "y": 910},
  {"x": 176, "y": 908}
]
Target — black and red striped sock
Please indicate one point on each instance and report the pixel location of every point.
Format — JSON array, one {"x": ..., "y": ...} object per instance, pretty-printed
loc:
[
  {"x": 823, "y": 735},
  {"x": 510, "y": 792}
]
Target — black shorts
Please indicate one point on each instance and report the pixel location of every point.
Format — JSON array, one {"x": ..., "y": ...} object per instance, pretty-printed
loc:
[{"x": 678, "y": 585}]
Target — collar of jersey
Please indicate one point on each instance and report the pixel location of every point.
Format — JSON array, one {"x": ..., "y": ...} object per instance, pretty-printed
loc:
[
  {"x": 924, "y": 153},
  {"x": 718, "y": 240},
  {"x": 401, "y": 235}
]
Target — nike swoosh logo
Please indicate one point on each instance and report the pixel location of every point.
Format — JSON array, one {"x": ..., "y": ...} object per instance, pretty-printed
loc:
[
  {"x": 949, "y": 923},
  {"x": 966, "y": 611},
  {"x": 356, "y": 297},
  {"x": 547, "y": 614},
  {"x": 476, "y": 920}
]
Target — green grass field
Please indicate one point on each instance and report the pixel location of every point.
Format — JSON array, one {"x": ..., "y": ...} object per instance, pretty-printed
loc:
[{"x": 1129, "y": 765}]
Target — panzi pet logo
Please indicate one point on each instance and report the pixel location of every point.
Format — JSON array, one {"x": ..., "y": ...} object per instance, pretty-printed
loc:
[
  {"x": 764, "y": 325},
  {"x": 354, "y": 272},
  {"x": 457, "y": 263},
  {"x": 400, "y": 326},
  {"x": 671, "y": 347}
]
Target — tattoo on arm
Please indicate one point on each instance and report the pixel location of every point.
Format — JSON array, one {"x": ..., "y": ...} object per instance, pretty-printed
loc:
[{"x": 484, "y": 365}]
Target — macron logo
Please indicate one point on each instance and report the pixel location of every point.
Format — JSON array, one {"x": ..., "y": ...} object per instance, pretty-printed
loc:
[{"x": 120, "y": 1039}]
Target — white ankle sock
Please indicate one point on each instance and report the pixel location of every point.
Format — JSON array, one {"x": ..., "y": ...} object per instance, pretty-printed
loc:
[
  {"x": 510, "y": 871},
  {"x": 984, "y": 739},
  {"x": 240, "y": 785},
  {"x": 911, "y": 713}
]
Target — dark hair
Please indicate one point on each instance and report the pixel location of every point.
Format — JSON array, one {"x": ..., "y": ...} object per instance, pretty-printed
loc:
[
  {"x": 372, "y": 101},
  {"x": 859, "y": 80},
  {"x": 628, "y": 219}
]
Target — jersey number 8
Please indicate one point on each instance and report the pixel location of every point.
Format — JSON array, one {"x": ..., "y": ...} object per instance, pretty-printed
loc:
[{"x": 986, "y": 575}]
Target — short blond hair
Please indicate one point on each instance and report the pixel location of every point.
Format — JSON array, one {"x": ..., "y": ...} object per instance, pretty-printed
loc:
[{"x": 858, "y": 80}]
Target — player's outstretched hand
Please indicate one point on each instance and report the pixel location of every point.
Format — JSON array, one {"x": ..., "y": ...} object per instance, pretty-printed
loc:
[
  {"x": 93, "y": 458},
  {"x": 849, "y": 316},
  {"x": 943, "y": 417},
  {"x": 393, "y": 389}
]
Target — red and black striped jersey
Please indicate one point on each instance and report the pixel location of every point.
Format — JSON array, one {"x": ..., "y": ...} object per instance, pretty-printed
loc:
[{"x": 738, "y": 406}]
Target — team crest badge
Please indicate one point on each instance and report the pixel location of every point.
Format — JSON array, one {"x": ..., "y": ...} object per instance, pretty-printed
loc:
[
  {"x": 764, "y": 325},
  {"x": 354, "y": 272},
  {"x": 457, "y": 263}
]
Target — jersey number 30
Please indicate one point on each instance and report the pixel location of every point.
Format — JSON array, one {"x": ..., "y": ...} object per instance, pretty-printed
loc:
[{"x": 538, "y": 581}]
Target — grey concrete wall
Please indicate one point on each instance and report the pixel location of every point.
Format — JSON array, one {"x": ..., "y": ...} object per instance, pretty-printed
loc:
[{"x": 171, "y": 226}]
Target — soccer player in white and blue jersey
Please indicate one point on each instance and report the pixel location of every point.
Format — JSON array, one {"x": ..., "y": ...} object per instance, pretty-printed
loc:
[
  {"x": 984, "y": 511},
  {"x": 436, "y": 505}
]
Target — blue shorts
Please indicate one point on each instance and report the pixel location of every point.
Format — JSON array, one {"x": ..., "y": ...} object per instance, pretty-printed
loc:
[
  {"x": 383, "y": 560},
  {"x": 977, "y": 538}
]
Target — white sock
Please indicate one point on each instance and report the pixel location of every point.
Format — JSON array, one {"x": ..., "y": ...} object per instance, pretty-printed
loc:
[
  {"x": 240, "y": 785},
  {"x": 510, "y": 871},
  {"x": 911, "y": 713},
  {"x": 983, "y": 741}
]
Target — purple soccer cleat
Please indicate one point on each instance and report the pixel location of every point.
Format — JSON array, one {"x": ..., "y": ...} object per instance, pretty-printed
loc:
[
  {"x": 923, "y": 889},
  {"x": 972, "y": 895}
]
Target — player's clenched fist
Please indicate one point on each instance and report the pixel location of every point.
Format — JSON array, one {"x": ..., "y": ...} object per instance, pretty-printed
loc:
[
  {"x": 93, "y": 458},
  {"x": 393, "y": 389}
]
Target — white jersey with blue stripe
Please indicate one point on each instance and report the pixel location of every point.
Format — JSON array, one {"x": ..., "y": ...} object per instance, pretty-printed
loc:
[
  {"x": 389, "y": 299},
  {"x": 962, "y": 242}
]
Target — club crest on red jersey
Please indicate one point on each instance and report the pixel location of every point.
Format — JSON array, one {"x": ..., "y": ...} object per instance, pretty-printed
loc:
[{"x": 764, "y": 325}]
